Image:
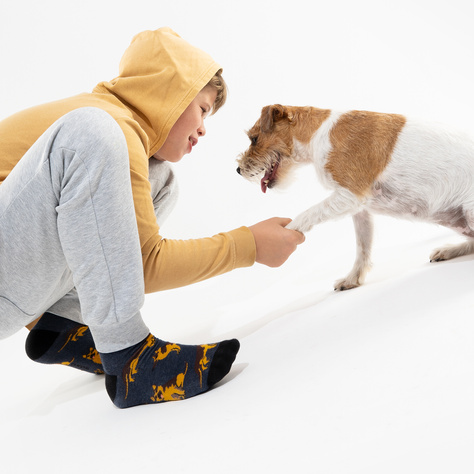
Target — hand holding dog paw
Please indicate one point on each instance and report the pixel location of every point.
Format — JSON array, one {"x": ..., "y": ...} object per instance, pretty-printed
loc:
[
  {"x": 301, "y": 224},
  {"x": 274, "y": 242}
]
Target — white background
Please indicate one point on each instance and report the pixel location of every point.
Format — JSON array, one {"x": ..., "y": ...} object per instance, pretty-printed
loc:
[{"x": 374, "y": 380}]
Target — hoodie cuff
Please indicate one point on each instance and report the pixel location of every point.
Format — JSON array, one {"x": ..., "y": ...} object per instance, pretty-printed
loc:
[{"x": 244, "y": 245}]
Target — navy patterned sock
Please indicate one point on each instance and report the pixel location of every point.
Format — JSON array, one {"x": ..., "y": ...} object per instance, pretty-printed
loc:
[
  {"x": 56, "y": 340},
  {"x": 155, "y": 371}
]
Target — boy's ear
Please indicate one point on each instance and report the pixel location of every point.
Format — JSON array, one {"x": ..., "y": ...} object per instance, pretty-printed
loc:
[{"x": 272, "y": 114}]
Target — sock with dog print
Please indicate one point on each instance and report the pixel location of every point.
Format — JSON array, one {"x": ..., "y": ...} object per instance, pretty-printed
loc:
[
  {"x": 155, "y": 371},
  {"x": 56, "y": 340}
]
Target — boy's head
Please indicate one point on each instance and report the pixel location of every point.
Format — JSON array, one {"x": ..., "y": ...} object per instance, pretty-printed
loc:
[
  {"x": 159, "y": 76},
  {"x": 189, "y": 127}
]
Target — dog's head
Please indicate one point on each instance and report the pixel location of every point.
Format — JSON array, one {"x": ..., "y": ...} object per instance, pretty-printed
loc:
[{"x": 270, "y": 155}]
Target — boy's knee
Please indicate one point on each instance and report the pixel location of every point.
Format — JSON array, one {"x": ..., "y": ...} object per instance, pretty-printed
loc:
[
  {"x": 94, "y": 130},
  {"x": 88, "y": 139},
  {"x": 92, "y": 118}
]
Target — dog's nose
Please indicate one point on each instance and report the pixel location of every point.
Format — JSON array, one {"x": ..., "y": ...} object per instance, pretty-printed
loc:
[{"x": 238, "y": 170}]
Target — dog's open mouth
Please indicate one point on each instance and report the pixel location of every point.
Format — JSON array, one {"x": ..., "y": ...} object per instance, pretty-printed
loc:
[{"x": 269, "y": 177}]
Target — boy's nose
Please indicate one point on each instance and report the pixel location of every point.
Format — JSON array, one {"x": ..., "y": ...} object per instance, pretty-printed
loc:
[{"x": 201, "y": 130}]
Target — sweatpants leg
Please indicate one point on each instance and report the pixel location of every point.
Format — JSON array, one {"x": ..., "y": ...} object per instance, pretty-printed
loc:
[
  {"x": 67, "y": 220},
  {"x": 68, "y": 307},
  {"x": 164, "y": 193}
]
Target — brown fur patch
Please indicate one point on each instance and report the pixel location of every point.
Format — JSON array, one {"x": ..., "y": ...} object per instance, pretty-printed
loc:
[
  {"x": 306, "y": 121},
  {"x": 362, "y": 145},
  {"x": 286, "y": 123}
]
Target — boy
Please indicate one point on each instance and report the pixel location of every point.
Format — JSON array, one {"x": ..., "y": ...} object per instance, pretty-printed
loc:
[{"x": 85, "y": 184}]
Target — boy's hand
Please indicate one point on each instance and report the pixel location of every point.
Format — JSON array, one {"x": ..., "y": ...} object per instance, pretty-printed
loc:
[{"x": 274, "y": 242}]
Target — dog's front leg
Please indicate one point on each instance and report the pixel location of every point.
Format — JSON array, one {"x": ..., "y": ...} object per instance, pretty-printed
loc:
[
  {"x": 364, "y": 230},
  {"x": 339, "y": 204}
]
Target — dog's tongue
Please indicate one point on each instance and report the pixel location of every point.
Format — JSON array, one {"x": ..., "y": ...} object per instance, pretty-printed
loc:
[
  {"x": 265, "y": 180},
  {"x": 268, "y": 177}
]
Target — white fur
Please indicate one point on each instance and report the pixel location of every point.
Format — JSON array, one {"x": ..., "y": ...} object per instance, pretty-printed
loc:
[
  {"x": 430, "y": 177},
  {"x": 431, "y": 168},
  {"x": 320, "y": 147}
]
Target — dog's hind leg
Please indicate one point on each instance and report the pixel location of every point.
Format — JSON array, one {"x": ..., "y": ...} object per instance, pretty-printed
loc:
[
  {"x": 452, "y": 251},
  {"x": 465, "y": 227},
  {"x": 364, "y": 230}
]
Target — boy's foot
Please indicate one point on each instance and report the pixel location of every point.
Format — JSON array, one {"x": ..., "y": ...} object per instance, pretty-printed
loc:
[
  {"x": 155, "y": 371},
  {"x": 56, "y": 340}
]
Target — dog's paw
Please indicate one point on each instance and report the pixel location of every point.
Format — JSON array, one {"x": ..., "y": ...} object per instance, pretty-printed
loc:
[
  {"x": 439, "y": 255},
  {"x": 448, "y": 252},
  {"x": 300, "y": 224},
  {"x": 354, "y": 279},
  {"x": 346, "y": 284}
]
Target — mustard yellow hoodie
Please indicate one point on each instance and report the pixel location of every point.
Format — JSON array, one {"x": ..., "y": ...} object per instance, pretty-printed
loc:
[{"x": 159, "y": 75}]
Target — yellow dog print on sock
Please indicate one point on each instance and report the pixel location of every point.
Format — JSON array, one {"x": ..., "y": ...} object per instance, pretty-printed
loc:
[
  {"x": 172, "y": 390},
  {"x": 163, "y": 352},
  {"x": 131, "y": 368},
  {"x": 73, "y": 336},
  {"x": 202, "y": 362}
]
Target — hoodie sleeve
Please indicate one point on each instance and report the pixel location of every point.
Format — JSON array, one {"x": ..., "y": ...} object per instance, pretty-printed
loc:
[{"x": 174, "y": 263}]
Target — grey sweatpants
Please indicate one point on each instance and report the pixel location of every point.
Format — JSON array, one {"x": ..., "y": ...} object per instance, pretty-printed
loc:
[
  {"x": 67, "y": 222},
  {"x": 164, "y": 192}
]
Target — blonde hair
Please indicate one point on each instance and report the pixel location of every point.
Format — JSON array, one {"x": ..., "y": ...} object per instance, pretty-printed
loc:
[{"x": 219, "y": 84}]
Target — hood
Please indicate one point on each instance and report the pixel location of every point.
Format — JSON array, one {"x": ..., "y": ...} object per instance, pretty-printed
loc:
[{"x": 159, "y": 76}]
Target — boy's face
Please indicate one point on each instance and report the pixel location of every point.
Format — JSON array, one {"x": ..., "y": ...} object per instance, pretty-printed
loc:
[{"x": 187, "y": 130}]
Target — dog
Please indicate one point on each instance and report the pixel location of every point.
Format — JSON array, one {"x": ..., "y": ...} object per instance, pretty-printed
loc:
[{"x": 373, "y": 163}]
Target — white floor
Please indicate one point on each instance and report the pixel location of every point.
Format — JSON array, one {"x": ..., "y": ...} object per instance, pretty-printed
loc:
[
  {"x": 378, "y": 379},
  {"x": 374, "y": 380}
]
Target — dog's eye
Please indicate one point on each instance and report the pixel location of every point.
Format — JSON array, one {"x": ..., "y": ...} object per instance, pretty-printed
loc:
[{"x": 253, "y": 140}]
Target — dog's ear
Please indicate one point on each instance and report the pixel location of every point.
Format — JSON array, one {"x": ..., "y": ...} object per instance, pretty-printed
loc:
[{"x": 272, "y": 114}]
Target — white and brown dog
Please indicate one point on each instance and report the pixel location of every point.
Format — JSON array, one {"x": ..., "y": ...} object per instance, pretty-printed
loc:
[{"x": 374, "y": 163}]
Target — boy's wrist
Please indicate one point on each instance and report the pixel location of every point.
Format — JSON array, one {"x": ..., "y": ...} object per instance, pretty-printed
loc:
[{"x": 245, "y": 247}]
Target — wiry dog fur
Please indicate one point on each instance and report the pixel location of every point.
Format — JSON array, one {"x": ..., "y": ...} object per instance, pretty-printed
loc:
[{"x": 374, "y": 163}]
